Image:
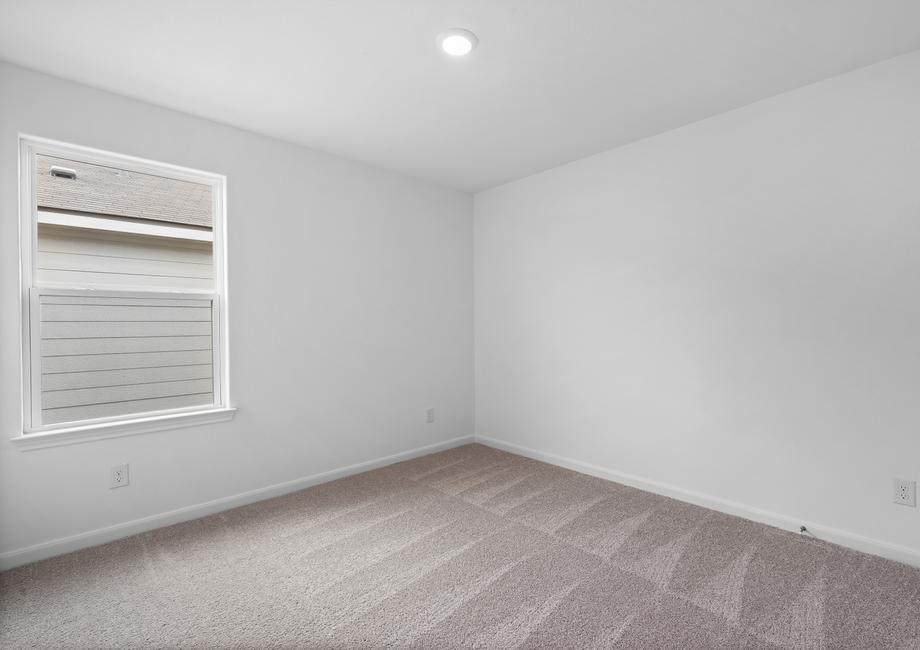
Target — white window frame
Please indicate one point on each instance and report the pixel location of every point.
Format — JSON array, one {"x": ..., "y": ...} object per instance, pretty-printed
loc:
[{"x": 34, "y": 435}]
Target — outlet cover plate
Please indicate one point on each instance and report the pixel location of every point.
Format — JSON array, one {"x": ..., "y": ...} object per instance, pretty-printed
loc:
[
  {"x": 118, "y": 476},
  {"x": 905, "y": 492}
]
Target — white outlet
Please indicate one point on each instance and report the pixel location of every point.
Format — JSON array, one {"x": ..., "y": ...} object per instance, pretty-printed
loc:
[
  {"x": 905, "y": 492},
  {"x": 430, "y": 416},
  {"x": 118, "y": 476}
]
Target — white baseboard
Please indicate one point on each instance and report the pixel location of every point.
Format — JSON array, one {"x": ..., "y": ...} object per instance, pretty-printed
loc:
[
  {"x": 44, "y": 550},
  {"x": 826, "y": 533}
]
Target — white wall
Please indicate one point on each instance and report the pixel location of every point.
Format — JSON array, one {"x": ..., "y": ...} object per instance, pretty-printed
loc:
[
  {"x": 350, "y": 315},
  {"x": 732, "y": 308}
]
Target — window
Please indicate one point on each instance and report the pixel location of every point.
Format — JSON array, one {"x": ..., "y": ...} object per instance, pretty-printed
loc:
[{"x": 124, "y": 319}]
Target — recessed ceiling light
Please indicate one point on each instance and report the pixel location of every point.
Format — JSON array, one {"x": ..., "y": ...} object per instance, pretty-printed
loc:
[{"x": 457, "y": 42}]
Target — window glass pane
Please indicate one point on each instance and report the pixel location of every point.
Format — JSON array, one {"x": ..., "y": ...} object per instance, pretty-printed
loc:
[
  {"x": 111, "y": 355},
  {"x": 84, "y": 257},
  {"x": 63, "y": 184}
]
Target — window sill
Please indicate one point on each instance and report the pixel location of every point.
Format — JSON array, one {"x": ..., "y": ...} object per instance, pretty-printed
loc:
[{"x": 89, "y": 433}]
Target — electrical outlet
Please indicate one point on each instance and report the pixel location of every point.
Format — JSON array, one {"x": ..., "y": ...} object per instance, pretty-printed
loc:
[
  {"x": 905, "y": 492},
  {"x": 430, "y": 416},
  {"x": 118, "y": 476}
]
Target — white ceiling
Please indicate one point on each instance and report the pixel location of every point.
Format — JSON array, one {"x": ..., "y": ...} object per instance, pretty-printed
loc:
[{"x": 550, "y": 82}]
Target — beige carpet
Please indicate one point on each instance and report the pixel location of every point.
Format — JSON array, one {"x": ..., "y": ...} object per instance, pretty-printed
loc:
[{"x": 471, "y": 548}]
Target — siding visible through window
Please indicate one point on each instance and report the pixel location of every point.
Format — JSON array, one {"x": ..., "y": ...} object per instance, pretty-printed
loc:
[{"x": 125, "y": 287}]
